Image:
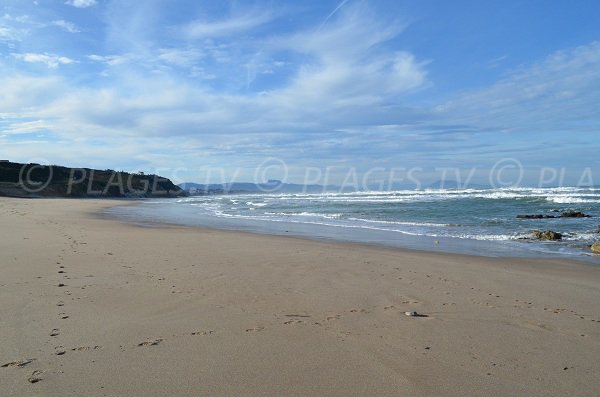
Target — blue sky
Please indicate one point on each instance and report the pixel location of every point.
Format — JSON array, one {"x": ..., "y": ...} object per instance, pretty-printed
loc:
[{"x": 192, "y": 88}]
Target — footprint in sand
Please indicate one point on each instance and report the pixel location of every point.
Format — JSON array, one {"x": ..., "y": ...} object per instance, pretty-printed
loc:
[
  {"x": 209, "y": 332},
  {"x": 335, "y": 317},
  {"x": 255, "y": 329},
  {"x": 55, "y": 332},
  {"x": 20, "y": 363},
  {"x": 150, "y": 342},
  {"x": 35, "y": 377},
  {"x": 61, "y": 303},
  {"x": 63, "y": 316},
  {"x": 59, "y": 350},
  {"x": 293, "y": 322},
  {"x": 85, "y": 348}
]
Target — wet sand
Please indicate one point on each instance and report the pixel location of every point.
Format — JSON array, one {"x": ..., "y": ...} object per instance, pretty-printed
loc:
[{"x": 91, "y": 306}]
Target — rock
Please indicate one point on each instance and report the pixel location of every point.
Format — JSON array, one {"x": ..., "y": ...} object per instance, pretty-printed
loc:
[
  {"x": 596, "y": 247},
  {"x": 415, "y": 314},
  {"x": 567, "y": 214},
  {"x": 547, "y": 235},
  {"x": 573, "y": 214},
  {"x": 535, "y": 216},
  {"x": 598, "y": 231}
]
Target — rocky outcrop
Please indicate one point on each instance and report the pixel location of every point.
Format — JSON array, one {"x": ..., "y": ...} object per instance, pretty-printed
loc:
[
  {"x": 568, "y": 214},
  {"x": 596, "y": 247},
  {"x": 535, "y": 216},
  {"x": 548, "y": 235},
  {"x": 573, "y": 214}
]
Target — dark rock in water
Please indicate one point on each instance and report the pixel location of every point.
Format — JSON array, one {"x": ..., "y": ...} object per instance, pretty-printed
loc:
[
  {"x": 535, "y": 216},
  {"x": 573, "y": 214},
  {"x": 568, "y": 214},
  {"x": 547, "y": 235}
]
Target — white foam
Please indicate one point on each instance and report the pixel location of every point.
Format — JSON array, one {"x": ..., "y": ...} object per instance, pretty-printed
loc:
[
  {"x": 256, "y": 204},
  {"x": 572, "y": 200},
  {"x": 399, "y": 222},
  {"x": 306, "y": 214}
]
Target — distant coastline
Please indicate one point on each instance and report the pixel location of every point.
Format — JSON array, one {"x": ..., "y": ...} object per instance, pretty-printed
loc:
[{"x": 35, "y": 181}]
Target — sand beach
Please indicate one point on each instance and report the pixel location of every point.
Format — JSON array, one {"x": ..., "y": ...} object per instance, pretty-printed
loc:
[{"x": 92, "y": 306}]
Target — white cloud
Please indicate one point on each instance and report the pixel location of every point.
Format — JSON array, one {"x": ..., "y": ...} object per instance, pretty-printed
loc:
[
  {"x": 81, "y": 3},
  {"x": 24, "y": 127},
  {"x": 234, "y": 25},
  {"x": 112, "y": 60},
  {"x": 66, "y": 26},
  {"x": 352, "y": 33},
  {"x": 13, "y": 29},
  {"x": 23, "y": 94},
  {"x": 52, "y": 61},
  {"x": 340, "y": 86},
  {"x": 347, "y": 67},
  {"x": 24, "y": 19},
  {"x": 342, "y": 73},
  {"x": 179, "y": 57},
  {"x": 7, "y": 33},
  {"x": 562, "y": 92}
]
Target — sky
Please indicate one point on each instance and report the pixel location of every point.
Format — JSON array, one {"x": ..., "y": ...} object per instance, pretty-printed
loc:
[{"x": 212, "y": 91}]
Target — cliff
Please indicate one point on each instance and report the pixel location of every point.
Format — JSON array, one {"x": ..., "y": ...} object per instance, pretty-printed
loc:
[{"x": 35, "y": 180}]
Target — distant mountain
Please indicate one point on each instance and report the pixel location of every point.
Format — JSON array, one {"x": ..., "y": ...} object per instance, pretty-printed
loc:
[
  {"x": 272, "y": 186},
  {"x": 276, "y": 186},
  {"x": 35, "y": 180}
]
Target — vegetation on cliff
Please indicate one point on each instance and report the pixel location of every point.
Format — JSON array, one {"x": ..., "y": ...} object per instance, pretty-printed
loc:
[{"x": 35, "y": 180}]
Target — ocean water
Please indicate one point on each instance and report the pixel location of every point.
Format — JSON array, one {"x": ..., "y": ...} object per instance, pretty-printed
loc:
[{"x": 474, "y": 221}]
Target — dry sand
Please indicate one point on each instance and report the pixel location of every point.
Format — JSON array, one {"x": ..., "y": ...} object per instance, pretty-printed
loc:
[{"x": 103, "y": 308}]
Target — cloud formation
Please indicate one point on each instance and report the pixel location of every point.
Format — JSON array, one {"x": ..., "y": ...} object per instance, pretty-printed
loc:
[
  {"x": 66, "y": 26},
  {"x": 81, "y": 3},
  {"x": 340, "y": 86},
  {"x": 554, "y": 94},
  {"x": 52, "y": 61},
  {"x": 200, "y": 29}
]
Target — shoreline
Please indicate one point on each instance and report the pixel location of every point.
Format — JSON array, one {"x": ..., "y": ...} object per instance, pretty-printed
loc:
[
  {"x": 324, "y": 233},
  {"x": 190, "y": 311},
  {"x": 524, "y": 261}
]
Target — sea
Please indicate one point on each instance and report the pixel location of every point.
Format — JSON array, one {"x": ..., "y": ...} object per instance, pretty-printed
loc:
[{"x": 470, "y": 221}]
